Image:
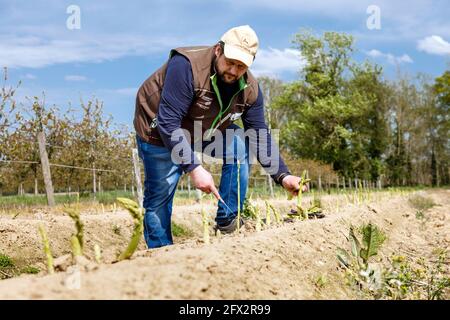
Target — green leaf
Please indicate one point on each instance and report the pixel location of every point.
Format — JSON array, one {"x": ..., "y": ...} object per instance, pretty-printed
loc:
[
  {"x": 373, "y": 238},
  {"x": 343, "y": 257},
  {"x": 314, "y": 209},
  {"x": 356, "y": 247}
]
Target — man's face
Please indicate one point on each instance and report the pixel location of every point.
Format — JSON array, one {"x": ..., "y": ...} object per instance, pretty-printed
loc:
[{"x": 229, "y": 70}]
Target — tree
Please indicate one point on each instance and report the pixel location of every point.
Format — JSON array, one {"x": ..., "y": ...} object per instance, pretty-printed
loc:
[
  {"x": 9, "y": 117},
  {"x": 441, "y": 128},
  {"x": 332, "y": 110}
]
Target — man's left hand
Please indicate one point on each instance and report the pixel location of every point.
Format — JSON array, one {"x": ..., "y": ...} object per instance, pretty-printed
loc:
[{"x": 292, "y": 184}]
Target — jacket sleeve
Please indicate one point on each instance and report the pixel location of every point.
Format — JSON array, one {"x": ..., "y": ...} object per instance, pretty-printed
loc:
[
  {"x": 263, "y": 145},
  {"x": 176, "y": 98}
]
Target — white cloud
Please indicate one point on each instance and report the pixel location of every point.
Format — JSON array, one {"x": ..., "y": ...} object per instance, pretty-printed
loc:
[
  {"x": 127, "y": 91},
  {"x": 272, "y": 62},
  {"x": 38, "y": 52},
  {"x": 29, "y": 76},
  {"x": 392, "y": 59},
  {"x": 75, "y": 78},
  {"x": 331, "y": 7},
  {"x": 400, "y": 20},
  {"x": 434, "y": 45}
]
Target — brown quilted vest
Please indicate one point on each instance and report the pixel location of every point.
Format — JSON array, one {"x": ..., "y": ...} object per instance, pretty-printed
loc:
[{"x": 205, "y": 106}]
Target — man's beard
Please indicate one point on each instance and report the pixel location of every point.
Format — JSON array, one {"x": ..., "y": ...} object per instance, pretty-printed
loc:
[{"x": 223, "y": 74}]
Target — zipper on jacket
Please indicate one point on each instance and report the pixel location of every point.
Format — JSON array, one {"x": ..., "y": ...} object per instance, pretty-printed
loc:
[{"x": 242, "y": 86}]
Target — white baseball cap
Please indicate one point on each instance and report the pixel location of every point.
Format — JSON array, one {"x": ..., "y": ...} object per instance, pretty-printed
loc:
[{"x": 241, "y": 43}]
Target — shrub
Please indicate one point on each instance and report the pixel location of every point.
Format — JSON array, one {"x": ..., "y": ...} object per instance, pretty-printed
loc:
[{"x": 421, "y": 203}]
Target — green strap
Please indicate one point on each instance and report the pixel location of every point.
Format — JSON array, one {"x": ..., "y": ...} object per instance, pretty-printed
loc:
[{"x": 242, "y": 86}]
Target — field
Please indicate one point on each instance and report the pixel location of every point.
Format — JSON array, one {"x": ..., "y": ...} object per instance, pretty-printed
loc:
[
  {"x": 350, "y": 97},
  {"x": 289, "y": 260}
]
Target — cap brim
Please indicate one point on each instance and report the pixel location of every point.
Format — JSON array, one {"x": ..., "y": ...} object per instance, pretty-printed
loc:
[{"x": 235, "y": 53}]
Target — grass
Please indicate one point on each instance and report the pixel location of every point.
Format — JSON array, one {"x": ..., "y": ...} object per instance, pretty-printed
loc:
[
  {"x": 9, "y": 268},
  {"x": 420, "y": 215},
  {"x": 108, "y": 197},
  {"x": 421, "y": 203},
  {"x": 181, "y": 231},
  {"x": 5, "y": 261},
  {"x": 16, "y": 204},
  {"x": 321, "y": 281},
  {"x": 30, "y": 270}
]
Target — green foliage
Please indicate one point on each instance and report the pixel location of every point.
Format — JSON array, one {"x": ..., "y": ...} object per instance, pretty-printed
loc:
[
  {"x": 29, "y": 201},
  {"x": 30, "y": 270},
  {"x": 442, "y": 88},
  {"x": 9, "y": 268},
  {"x": 336, "y": 106},
  {"x": 321, "y": 281},
  {"x": 361, "y": 124},
  {"x": 419, "y": 279},
  {"x": 420, "y": 215},
  {"x": 249, "y": 209},
  {"x": 359, "y": 271},
  {"x": 179, "y": 230},
  {"x": 5, "y": 261},
  {"x": 90, "y": 142},
  {"x": 373, "y": 238},
  {"x": 402, "y": 279},
  {"x": 421, "y": 203},
  {"x": 302, "y": 213}
]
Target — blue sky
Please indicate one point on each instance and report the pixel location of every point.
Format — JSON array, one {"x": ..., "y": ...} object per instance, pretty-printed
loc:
[{"x": 120, "y": 43}]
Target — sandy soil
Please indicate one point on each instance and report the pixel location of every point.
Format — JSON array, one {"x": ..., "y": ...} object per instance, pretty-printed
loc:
[{"x": 281, "y": 262}]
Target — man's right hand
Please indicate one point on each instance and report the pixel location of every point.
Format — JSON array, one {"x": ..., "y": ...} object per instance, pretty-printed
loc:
[{"x": 204, "y": 181}]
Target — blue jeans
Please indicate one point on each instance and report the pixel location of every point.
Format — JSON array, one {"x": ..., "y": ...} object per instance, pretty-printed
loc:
[{"x": 161, "y": 179}]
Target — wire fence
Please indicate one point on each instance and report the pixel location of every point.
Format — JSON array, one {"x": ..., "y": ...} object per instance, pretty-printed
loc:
[{"x": 260, "y": 182}]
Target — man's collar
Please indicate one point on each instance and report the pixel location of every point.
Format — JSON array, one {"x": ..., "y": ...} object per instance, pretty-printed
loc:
[{"x": 242, "y": 80}]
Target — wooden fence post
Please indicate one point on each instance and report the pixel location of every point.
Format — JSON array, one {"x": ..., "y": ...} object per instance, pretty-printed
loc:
[
  {"x": 94, "y": 182},
  {"x": 137, "y": 176},
  {"x": 46, "y": 169}
]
